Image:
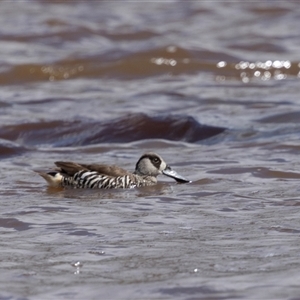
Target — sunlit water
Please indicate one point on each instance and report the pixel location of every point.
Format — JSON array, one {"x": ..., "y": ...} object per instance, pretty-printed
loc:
[{"x": 212, "y": 87}]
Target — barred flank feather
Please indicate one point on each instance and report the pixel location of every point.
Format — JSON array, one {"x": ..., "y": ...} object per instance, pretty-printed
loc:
[{"x": 91, "y": 179}]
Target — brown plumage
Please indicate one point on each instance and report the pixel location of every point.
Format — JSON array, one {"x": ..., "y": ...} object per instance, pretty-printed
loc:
[{"x": 70, "y": 168}]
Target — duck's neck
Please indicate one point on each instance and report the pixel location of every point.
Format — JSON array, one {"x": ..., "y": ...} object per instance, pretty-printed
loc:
[
  {"x": 149, "y": 178},
  {"x": 137, "y": 172}
]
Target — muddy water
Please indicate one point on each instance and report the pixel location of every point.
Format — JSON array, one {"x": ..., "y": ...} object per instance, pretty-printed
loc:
[{"x": 212, "y": 87}]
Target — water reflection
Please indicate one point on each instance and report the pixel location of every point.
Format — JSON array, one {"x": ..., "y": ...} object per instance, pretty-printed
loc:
[
  {"x": 161, "y": 188},
  {"x": 263, "y": 70}
]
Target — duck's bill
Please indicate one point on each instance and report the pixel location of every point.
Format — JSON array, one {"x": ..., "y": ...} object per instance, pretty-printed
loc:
[{"x": 173, "y": 174}]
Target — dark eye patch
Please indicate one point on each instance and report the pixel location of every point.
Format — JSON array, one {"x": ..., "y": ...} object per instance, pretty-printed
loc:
[{"x": 155, "y": 161}]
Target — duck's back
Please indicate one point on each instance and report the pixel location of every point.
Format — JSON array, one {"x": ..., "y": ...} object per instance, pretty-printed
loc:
[{"x": 70, "y": 168}]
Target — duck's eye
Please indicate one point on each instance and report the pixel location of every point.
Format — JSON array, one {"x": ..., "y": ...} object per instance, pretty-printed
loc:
[{"x": 155, "y": 160}]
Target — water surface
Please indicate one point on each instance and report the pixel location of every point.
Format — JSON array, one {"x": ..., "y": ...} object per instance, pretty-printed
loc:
[{"x": 213, "y": 87}]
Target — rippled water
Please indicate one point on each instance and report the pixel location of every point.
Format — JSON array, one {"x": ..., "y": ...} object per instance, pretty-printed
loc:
[{"x": 213, "y": 87}]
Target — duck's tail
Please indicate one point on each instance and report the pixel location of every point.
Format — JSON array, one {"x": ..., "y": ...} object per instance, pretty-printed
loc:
[{"x": 54, "y": 179}]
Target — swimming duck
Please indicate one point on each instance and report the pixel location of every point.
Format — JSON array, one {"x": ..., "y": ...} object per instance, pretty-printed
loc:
[{"x": 95, "y": 176}]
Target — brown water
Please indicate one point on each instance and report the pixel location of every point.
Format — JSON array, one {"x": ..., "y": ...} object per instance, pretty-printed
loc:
[{"x": 213, "y": 87}]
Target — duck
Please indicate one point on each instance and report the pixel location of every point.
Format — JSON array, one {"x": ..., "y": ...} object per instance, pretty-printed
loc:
[{"x": 101, "y": 176}]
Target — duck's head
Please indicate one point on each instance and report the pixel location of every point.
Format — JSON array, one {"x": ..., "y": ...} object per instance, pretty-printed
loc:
[{"x": 151, "y": 164}]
